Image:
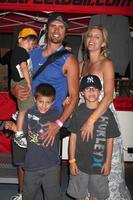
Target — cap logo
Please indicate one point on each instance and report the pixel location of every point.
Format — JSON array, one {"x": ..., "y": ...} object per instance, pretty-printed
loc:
[
  {"x": 90, "y": 80},
  {"x": 59, "y": 18}
]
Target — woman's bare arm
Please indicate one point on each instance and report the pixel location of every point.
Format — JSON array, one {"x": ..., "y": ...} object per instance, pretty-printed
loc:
[{"x": 108, "y": 87}]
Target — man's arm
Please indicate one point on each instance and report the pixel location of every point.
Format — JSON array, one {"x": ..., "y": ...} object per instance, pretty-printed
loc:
[
  {"x": 71, "y": 70},
  {"x": 20, "y": 92}
]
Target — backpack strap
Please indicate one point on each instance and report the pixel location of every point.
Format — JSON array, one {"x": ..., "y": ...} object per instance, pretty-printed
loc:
[{"x": 50, "y": 60}]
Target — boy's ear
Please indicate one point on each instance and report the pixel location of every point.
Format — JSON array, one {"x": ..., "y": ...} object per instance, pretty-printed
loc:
[
  {"x": 82, "y": 93},
  {"x": 20, "y": 40}
]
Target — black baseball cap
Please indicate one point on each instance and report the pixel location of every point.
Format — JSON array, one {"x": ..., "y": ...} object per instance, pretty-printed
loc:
[
  {"x": 90, "y": 81},
  {"x": 59, "y": 17}
]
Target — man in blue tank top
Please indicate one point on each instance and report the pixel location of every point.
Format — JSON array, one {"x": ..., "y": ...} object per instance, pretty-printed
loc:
[{"x": 63, "y": 75}]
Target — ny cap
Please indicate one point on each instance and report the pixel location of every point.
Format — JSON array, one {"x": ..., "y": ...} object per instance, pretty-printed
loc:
[{"x": 90, "y": 81}]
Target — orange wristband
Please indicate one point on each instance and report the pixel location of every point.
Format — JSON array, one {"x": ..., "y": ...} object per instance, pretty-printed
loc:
[
  {"x": 72, "y": 161},
  {"x": 93, "y": 117}
]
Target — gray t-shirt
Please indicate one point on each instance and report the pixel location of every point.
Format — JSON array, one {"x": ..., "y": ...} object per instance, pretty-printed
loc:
[{"x": 91, "y": 155}]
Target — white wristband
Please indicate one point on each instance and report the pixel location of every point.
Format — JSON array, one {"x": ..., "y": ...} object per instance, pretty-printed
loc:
[{"x": 59, "y": 123}]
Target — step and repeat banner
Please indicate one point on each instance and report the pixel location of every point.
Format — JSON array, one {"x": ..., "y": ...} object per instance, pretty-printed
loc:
[{"x": 111, "y": 7}]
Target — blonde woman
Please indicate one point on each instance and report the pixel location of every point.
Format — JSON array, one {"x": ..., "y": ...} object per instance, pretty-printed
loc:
[{"x": 98, "y": 63}]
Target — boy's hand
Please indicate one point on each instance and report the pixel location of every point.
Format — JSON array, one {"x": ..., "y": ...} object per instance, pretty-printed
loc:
[
  {"x": 74, "y": 169},
  {"x": 11, "y": 126},
  {"x": 106, "y": 168}
]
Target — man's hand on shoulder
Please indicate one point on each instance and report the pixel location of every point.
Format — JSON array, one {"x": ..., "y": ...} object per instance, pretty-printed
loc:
[
  {"x": 20, "y": 92},
  {"x": 49, "y": 136}
]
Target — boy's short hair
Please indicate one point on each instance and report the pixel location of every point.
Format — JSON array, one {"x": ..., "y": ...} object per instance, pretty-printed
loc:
[
  {"x": 45, "y": 89},
  {"x": 28, "y": 34},
  {"x": 90, "y": 81}
]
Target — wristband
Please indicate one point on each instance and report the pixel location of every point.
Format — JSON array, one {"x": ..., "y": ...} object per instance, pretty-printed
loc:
[
  {"x": 59, "y": 123},
  {"x": 72, "y": 161}
]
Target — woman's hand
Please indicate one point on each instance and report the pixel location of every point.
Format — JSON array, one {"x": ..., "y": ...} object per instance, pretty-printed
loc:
[{"x": 87, "y": 130}]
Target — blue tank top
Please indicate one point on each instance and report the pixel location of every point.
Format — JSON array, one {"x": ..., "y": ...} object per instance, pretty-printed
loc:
[{"x": 53, "y": 74}]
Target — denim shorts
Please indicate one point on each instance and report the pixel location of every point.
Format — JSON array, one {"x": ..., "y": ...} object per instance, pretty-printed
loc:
[{"x": 82, "y": 184}]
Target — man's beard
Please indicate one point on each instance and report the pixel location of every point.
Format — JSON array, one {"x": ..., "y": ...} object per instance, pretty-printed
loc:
[{"x": 56, "y": 40}]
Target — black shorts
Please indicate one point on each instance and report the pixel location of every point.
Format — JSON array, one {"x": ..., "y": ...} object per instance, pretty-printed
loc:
[{"x": 18, "y": 154}]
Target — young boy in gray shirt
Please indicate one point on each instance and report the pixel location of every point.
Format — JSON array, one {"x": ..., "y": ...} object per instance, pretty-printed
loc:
[{"x": 90, "y": 161}]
